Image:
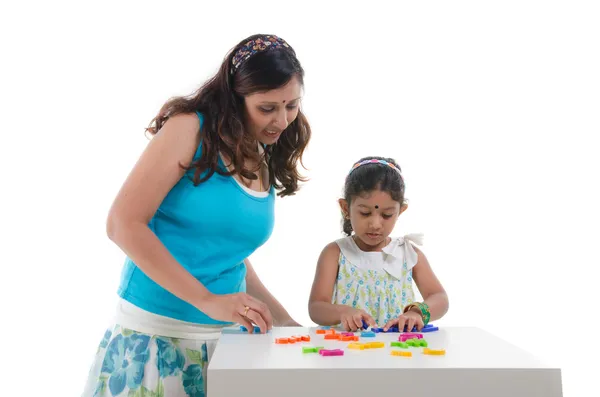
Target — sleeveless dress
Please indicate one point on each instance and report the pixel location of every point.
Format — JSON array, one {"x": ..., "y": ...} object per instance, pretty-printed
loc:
[
  {"x": 158, "y": 345},
  {"x": 379, "y": 283}
]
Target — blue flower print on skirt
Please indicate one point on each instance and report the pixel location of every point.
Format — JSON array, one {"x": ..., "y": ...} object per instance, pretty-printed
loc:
[
  {"x": 106, "y": 338},
  {"x": 192, "y": 381},
  {"x": 124, "y": 361},
  {"x": 170, "y": 360},
  {"x": 134, "y": 364}
]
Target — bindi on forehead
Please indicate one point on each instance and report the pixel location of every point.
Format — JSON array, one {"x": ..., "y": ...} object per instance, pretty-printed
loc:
[
  {"x": 267, "y": 102},
  {"x": 377, "y": 206}
]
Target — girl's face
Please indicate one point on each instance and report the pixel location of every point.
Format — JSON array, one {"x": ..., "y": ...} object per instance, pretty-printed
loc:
[
  {"x": 373, "y": 216},
  {"x": 269, "y": 113}
]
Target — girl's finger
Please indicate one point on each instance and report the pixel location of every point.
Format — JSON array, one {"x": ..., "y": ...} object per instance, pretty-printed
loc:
[
  {"x": 370, "y": 321},
  {"x": 390, "y": 324},
  {"x": 345, "y": 324},
  {"x": 357, "y": 319},
  {"x": 401, "y": 323},
  {"x": 420, "y": 324}
]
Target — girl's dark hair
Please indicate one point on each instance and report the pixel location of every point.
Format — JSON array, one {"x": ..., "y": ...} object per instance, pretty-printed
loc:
[
  {"x": 369, "y": 177},
  {"x": 221, "y": 102}
]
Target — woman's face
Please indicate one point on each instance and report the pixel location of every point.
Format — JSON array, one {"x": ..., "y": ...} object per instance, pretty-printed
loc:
[{"x": 269, "y": 113}]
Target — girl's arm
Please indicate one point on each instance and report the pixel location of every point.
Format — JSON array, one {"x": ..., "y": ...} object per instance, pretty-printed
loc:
[
  {"x": 256, "y": 288},
  {"x": 320, "y": 308},
  {"x": 153, "y": 176},
  {"x": 430, "y": 288}
]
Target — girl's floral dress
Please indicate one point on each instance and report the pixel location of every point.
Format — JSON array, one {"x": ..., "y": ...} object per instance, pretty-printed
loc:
[{"x": 379, "y": 283}]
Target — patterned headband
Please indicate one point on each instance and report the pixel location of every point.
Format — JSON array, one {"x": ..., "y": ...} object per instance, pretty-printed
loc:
[
  {"x": 376, "y": 161},
  {"x": 254, "y": 46}
]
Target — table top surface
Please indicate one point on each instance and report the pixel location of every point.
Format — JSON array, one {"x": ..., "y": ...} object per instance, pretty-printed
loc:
[{"x": 466, "y": 347}]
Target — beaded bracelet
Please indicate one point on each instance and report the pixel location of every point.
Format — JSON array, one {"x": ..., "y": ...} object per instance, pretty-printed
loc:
[{"x": 423, "y": 308}]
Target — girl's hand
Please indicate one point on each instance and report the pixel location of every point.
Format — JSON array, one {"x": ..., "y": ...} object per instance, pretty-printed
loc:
[
  {"x": 352, "y": 319},
  {"x": 410, "y": 319},
  {"x": 239, "y": 308}
]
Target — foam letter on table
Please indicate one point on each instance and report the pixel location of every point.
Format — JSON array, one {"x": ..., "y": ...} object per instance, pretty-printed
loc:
[
  {"x": 433, "y": 352},
  {"x": 334, "y": 352},
  {"x": 409, "y": 335},
  {"x": 401, "y": 353}
]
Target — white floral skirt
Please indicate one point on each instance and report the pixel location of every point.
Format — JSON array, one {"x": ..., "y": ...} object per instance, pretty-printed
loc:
[{"x": 135, "y": 364}]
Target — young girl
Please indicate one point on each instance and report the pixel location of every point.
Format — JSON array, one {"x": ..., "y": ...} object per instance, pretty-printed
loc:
[{"x": 368, "y": 274}]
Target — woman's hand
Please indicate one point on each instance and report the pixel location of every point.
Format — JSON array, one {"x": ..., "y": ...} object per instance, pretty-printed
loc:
[
  {"x": 352, "y": 319},
  {"x": 410, "y": 319},
  {"x": 239, "y": 308}
]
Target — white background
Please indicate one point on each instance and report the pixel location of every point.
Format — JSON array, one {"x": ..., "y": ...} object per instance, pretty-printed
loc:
[{"x": 491, "y": 109}]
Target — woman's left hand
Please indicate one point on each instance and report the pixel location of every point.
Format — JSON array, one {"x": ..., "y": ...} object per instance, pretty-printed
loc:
[{"x": 409, "y": 319}]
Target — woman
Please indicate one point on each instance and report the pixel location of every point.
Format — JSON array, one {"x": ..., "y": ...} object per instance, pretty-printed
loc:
[{"x": 197, "y": 204}]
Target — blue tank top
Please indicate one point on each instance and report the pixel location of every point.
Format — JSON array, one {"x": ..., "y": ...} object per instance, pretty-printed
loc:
[{"x": 210, "y": 229}]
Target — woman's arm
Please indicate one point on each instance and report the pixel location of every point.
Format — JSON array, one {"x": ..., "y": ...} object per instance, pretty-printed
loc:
[
  {"x": 430, "y": 288},
  {"x": 156, "y": 172},
  {"x": 255, "y": 288},
  {"x": 153, "y": 176},
  {"x": 320, "y": 308}
]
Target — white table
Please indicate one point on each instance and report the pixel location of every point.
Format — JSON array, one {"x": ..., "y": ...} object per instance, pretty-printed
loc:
[{"x": 476, "y": 364}]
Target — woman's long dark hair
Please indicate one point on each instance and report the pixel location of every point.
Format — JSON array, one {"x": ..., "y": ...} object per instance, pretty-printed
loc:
[{"x": 221, "y": 102}]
